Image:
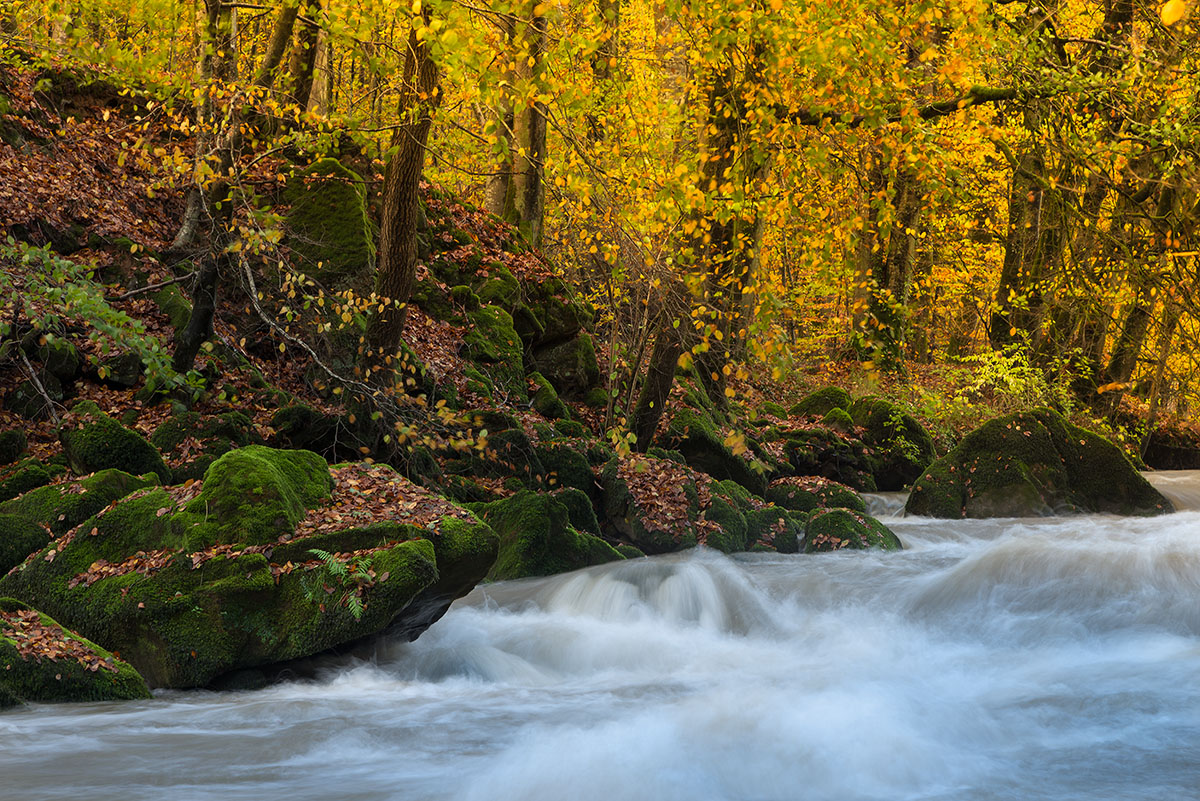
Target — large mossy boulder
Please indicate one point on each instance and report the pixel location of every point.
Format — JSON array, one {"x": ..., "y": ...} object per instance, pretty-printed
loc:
[
  {"x": 94, "y": 441},
  {"x": 12, "y": 444},
  {"x": 821, "y": 402},
  {"x": 838, "y": 529},
  {"x": 809, "y": 493},
  {"x": 24, "y": 476},
  {"x": 570, "y": 365},
  {"x": 328, "y": 224},
  {"x": 41, "y": 662},
  {"x": 19, "y": 537},
  {"x": 255, "y": 565},
  {"x": 902, "y": 447},
  {"x": 494, "y": 346},
  {"x": 695, "y": 435},
  {"x": 1033, "y": 463},
  {"x": 825, "y": 451},
  {"x": 253, "y": 495},
  {"x": 537, "y": 537},
  {"x": 652, "y": 504}
]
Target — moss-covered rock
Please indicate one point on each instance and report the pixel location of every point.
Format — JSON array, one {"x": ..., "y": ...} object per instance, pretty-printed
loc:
[
  {"x": 629, "y": 514},
  {"x": 494, "y": 346},
  {"x": 255, "y": 494},
  {"x": 184, "y": 611},
  {"x": 565, "y": 466},
  {"x": 545, "y": 400},
  {"x": 732, "y": 533},
  {"x": 212, "y": 436},
  {"x": 902, "y": 446},
  {"x": 537, "y": 538},
  {"x": 694, "y": 435},
  {"x": 19, "y": 537},
  {"x": 570, "y": 366},
  {"x": 809, "y": 493},
  {"x": 1031, "y": 464},
  {"x": 823, "y": 401},
  {"x": 328, "y": 224},
  {"x": 61, "y": 507},
  {"x": 94, "y": 441},
  {"x": 28, "y": 401},
  {"x": 776, "y": 528},
  {"x": 22, "y": 477},
  {"x": 835, "y": 529},
  {"x": 41, "y": 662},
  {"x": 823, "y": 451},
  {"x": 60, "y": 358},
  {"x": 12, "y": 444}
]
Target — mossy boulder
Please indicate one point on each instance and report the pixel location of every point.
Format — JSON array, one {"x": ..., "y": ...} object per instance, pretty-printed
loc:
[
  {"x": 822, "y": 402},
  {"x": 776, "y": 528},
  {"x": 824, "y": 451},
  {"x": 61, "y": 507},
  {"x": 19, "y": 537},
  {"x": 41, "y": 662},
  {"x": 632, "y": 508},
  {"x": 694, "y": 435},
  {"x": 12, "y": 444},
  {"x": 902, "y": 447},
  {"x": 255, "y": 494},
  {"x": 1033, "y": 463},
  {"x": 328, "y": 224},
  {"x": 493, "y": 345},
  {"x": 192, "y": 442},
  {"x": 565, "y": 466},
  {"x": 26, "y": 400},
  {"x": 545, "y": 400},
  {"x": 186, "y": 610},
  {"x": 60, "y": 358},
  {"x": 24, "y": 476},
  {"x": 93, "y": 441},
  {"x": 570, "y": 365},
  {"x": 836, "y": 529},
  {"x": 809, "y": 493},
  {"x": 537, "y": 538}
]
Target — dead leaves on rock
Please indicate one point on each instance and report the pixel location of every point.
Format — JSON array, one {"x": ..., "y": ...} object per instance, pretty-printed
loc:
[{"x": 37, "y": 641}]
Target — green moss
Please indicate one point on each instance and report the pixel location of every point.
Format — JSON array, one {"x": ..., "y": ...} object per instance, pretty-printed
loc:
[
  {"x": 669, "y": 455},
  {"x": 537, "y": 539},
  {"x": 903, "y": 448},
  {"x": 782, "y": 529},
  {"x": 330, "y": 230},
  {"x": 496, "y": 349},
  {"x": 255, "y": 494},
  {"x": 629, "y": 552},
  {"x": 821, "y": 402},
  {"x": 432, "y": 298},
  {"x": 174, "y": 305},
  {"x": 835, "y": 529},
  {"x": 838, "y": 418},
  {"x": 545, "y": 399},
  {"x": 571, "y": 428},
  {"x": 774, "y": 409},
  {"x": 64, "y": 506},
  {"x": 501, "y": 289},
  {"x": 24, "y": 476},
  {"x": 697, "y": 438},
  {"x": 1033, "y": 463},
  {"x": 19, "y": 537},
  {"x": 620, "y": 513},
  {"x": 732, "y": 535},
  {"x": 60, "y": 358},
  {"x": 65, "y": 679},
  {"x": 465, "y": 298},
  {"x": 463, "y": 490},
  {"x": 808, "y": 493},
  {"x": 570, "y": 366},
  {"x": 580, "y": 511},
  {"x": 564, "y": 466},
  {"x": 216, "y": 435},
  {"x": 596, "y": 398},
  {"x": 98, "y": 442}
]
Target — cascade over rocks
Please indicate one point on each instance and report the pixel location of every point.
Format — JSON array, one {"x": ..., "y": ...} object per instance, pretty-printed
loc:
[{"x": 1033, "y": 464}]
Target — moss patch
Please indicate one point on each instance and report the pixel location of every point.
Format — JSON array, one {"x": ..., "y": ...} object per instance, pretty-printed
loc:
[
  {"x": 328, "y": 223},
  {"x": 94, "y": 441},
  {"x": 835, "y": 529}
]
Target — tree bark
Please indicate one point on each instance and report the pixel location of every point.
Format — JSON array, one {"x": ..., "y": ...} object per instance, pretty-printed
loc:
[{"x": 419, "y": 99}]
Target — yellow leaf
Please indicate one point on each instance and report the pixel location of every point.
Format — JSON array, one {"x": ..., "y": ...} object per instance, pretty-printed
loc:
[
  {"x": 1173, "y": 11},
  {"x": 776, "y": 5}
]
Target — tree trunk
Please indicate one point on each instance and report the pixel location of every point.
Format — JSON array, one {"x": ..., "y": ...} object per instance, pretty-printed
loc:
[
  {"x": 304, "y": 56},
  {"x": 420, "y": 96},
  {"x": 531, "y": 184}
]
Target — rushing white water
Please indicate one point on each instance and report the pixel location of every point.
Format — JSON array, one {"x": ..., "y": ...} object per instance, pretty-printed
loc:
[{"x": 1005, "y": 659}]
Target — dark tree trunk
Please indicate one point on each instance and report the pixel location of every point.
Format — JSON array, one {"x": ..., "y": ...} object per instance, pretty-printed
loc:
[{"x": 401, "y": 200}]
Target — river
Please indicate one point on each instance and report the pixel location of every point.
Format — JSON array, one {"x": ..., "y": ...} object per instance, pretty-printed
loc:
[{"x": 1003, "y": 659}]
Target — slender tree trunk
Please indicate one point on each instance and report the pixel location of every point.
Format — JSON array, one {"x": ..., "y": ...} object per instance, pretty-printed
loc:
[
  {"x": 531, "y": 184},
  {"x": 304, "y": 56},
  {"x": 420, "y": 97}
]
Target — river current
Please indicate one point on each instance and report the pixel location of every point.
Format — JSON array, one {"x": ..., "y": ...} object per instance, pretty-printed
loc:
[{"x": 1002, "y": 659}]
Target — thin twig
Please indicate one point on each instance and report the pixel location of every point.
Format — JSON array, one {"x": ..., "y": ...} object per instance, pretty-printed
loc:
[
  {"x": 152, "y": 287},
  {"x": 37, "y": 384}
]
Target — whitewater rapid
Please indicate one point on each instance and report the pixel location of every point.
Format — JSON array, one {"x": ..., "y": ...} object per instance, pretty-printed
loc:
[{"x": 1006, "y": 659}]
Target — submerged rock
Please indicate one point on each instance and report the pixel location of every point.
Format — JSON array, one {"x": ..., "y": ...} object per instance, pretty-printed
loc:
[{"x": 1033, "y": 464}]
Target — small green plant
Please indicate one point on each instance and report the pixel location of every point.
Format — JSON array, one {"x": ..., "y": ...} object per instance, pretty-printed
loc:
[{"x": 352, "y": 575}]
